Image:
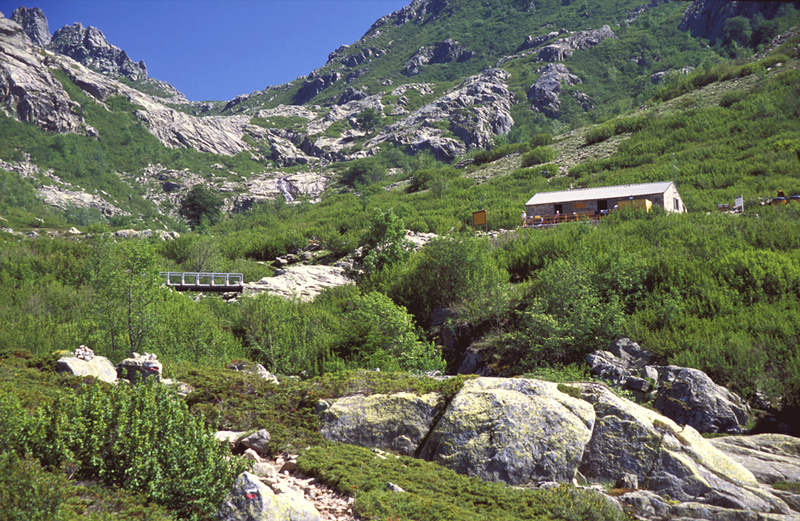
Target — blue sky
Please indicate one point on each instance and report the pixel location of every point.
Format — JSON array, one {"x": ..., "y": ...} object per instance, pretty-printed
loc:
[{"x": 216, "y": 50}]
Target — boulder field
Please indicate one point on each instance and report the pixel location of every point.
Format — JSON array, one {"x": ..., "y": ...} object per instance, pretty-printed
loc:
[{"x": 532, "y": 433}]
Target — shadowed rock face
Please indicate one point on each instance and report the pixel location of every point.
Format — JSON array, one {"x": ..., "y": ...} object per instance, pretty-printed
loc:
[
  {"x": 706, "y": 18},
  {"x": 34, "y": 23}
]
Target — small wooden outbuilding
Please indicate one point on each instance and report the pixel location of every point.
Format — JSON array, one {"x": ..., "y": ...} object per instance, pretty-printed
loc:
[{"x": 601, "y": 200}]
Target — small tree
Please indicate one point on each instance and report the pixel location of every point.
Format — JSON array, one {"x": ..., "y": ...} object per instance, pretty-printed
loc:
[
  {"x": 385, "y": 242},
  {"x": 201, "y": 205},
  {"x": 368, "y": 120}
]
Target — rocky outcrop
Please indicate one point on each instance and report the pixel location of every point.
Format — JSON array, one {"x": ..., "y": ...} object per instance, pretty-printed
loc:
[
  {"x": 685, "y": 395},
  {"x": 251, "y": 500},
  {"x": 83, "y": 362},
  {"x": 397, "y": 422},
  {"x": 34, "y": 23},
  {"x": 300, "y": 282},
  {"x": 706, "y": 18},
  {"x": 63, "y": 199},
  {"x": 476, "y": 111},
  {"x": 28, "y": 91},
  {"x": 314, "y": 84},
  {"x": 544, "y": 94},
  {"x": 351, "y": 94},
  {"x": 443, "y": 52},
  {"x": 417, "y": 11},
  {"x": 532, "y": 42},
  {"x": 362, "y": 56},
  {"x": 528, "y": 432},
  {"x": 88, "y": 46},
  {"x": 565, "y": 47}
]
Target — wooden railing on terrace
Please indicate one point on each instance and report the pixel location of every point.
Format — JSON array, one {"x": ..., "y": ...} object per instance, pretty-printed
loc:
[{"x": 548, "y": 220}]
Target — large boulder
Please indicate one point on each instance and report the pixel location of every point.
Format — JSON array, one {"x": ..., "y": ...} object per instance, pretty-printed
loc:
[
  {"x": 544, "y": 94},
  {"x": 666, "y": 458},
  {"x": 770, "y": 457},
  {"x": 251, "y": 500},
  {"x": 98, "y": 367},
  {"x": 687, "y": 396},
  {"x": 690, "y": 397},
  {"x": 140, "y": 367},
  {"x": 396, "y": 422},
  {"x": 513, "y": 430}
]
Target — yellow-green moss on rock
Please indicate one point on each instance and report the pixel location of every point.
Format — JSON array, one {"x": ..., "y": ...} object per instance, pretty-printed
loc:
[
  {"x": 513, "y": 430},
  {"x": 396, "y": 421}
]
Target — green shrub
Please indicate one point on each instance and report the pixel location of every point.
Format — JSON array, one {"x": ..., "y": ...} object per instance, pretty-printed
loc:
[
  {"x": 731, "y": 97},
  {"x": 487, "y": 156},
  {"x": 28, "y": 492},
  {"x": 139, "y": 437},
  {"x": 538, "y": 156},
  {"x": 599, "y": 134},
  {"x": 540, "y": 140}
]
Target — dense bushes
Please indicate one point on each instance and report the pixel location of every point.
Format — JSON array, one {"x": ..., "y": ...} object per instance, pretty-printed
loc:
[
  {"x": 718, "y": 292},
  {"x": 141, "y": 438},
  {"x": 538, "y": 156}
]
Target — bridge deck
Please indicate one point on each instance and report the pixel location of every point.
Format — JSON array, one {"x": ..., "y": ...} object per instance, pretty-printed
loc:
[{"x": 203, "y": 281}]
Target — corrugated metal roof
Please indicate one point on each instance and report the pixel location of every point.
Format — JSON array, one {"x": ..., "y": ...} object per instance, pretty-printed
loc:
[{"x": 601, "y": 192}]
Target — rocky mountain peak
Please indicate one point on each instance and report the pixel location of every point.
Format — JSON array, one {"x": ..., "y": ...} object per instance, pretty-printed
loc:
[
  {"x": 90, "y": 47},
  {"x": 417, "y": 10},
  {"x": 34, "y": 23}
]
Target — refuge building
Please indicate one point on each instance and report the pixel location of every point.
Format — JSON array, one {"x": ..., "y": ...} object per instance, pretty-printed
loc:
[{"x": 588, "y": 202}]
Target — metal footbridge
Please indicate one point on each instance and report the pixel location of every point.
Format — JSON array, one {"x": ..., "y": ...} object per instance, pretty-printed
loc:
[{"x": 203, "y": 281}]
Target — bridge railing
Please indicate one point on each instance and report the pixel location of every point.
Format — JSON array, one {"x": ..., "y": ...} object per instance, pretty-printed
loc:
[{"x": 202, "y": 279}]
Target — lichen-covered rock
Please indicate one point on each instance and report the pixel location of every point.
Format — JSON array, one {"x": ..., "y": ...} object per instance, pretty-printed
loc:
[
  {"x": 666, "y": 458},
  {"x": 513, "y": 430},
  {"x": 99, "y": 367},
  {"x": 251, "y": 500},
  {"x": 689, "y": 396},
  {"x": 770, "y": 457},
  {"x": 398, "y": 421}
]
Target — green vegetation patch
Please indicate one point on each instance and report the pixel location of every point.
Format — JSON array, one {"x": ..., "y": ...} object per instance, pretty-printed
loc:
[
  {"x": 433, "y": 492},
  {"x": 232, "y": 400}
]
